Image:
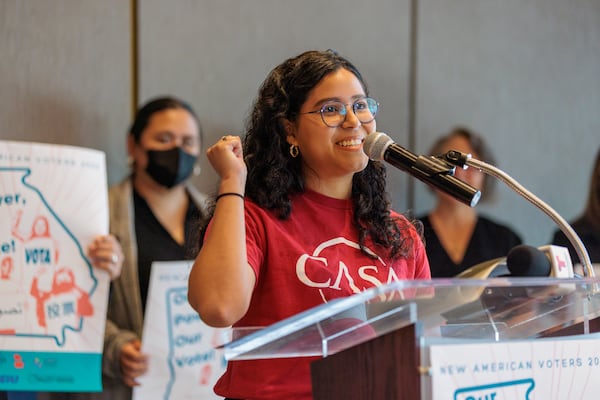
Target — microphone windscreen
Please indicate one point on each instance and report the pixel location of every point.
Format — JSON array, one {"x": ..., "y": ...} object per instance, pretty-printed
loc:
[
  {"x": 375, "y": 145},
  {"x": 524, "y": 260}
]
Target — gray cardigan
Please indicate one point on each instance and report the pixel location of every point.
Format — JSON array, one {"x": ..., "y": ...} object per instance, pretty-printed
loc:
[{"x": 125, "y": 313}]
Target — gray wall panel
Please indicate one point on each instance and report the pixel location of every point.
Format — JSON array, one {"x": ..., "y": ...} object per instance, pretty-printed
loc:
[
  {"x": 65, "y": 74},
  {"x": 522, "y": 72},
  {"x": 526, "y": 75},
  {"x": 216, "y": 54}
]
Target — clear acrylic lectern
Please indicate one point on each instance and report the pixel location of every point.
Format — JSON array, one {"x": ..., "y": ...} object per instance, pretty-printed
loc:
[{"x": 389, "y": 328}]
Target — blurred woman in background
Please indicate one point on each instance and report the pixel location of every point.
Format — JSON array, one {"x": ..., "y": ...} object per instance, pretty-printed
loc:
[
  {"x": 587, "y": 226},
  {"x": 456, "y": 236}
]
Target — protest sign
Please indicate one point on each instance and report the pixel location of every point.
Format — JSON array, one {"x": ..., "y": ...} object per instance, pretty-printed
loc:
[{"x": 53, "y": 202}]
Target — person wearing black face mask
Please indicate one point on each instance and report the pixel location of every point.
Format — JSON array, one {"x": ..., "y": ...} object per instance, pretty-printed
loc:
[
  {"x": 170, "y": 167},
  {"x": 155, "y": 214},
  {"x": 164, "y": 143}
]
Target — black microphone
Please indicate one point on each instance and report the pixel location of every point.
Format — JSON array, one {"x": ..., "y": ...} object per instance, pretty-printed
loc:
[
  {"x": 526, "y": 260},
  {"x": 431, "y": 170}
]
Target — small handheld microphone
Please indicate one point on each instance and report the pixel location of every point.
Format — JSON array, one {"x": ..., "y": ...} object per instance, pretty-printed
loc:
[
  {"x": 525, "y": 261},
  {"x": 546, "y": 261},
  {"x": 430, "y": 170}
]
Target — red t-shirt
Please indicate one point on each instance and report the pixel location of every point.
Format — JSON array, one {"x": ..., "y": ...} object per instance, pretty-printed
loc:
[{"x": 302, "y": 262}]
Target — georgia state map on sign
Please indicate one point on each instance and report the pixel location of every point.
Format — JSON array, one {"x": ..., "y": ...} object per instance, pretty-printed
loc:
[{"x": 45, "y": 291}]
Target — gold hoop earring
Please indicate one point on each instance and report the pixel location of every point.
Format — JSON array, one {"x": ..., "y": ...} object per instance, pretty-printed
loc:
[{"x": 294, "y": 151}]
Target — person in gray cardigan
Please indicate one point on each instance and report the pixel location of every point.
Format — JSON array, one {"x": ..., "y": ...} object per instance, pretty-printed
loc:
[{"x": 155, "y": 213}]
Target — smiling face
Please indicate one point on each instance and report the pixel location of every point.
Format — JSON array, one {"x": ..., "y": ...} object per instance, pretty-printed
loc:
[{"x": 331, "y": 153}]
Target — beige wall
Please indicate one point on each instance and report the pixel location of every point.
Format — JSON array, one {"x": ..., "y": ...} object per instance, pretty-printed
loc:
[
  {"x": 222, "y": 51},
  {"x": 522, "y": 72},
  {"x": 526, "y": 74},
  {"x": 65, "y": 74}
]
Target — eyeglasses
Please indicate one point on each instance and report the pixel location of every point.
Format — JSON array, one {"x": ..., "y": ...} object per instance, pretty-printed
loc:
[{"x": 333, "y": 113}]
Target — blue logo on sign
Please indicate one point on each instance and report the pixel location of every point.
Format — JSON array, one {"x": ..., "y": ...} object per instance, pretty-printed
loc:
[{"x": 520, "y": 389}]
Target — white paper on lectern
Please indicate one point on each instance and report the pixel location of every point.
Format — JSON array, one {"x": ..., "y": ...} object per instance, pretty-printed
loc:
[
  {"x": 184, "y": 363},
  {"x": 557, "y": 368}
]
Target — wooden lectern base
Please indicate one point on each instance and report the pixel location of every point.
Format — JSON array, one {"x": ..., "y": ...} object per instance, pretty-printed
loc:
[
  {"x": 383, "y": 368},
  {"x": 575, "y": 329}
]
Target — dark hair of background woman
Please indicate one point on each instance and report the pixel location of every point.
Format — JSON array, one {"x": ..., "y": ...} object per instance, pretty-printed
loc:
[
  {"x": 144, "y": 113},
  {"x": 592, "y": 209}
]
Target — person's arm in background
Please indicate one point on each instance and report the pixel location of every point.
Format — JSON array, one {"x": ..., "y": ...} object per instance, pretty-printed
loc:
[
  {"x": 123, "y": 360},
  {"x": 221, "y": 281}
]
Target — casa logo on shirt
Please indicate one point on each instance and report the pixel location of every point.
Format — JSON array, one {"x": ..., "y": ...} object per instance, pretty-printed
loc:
[{"x": 332, "y": 269}]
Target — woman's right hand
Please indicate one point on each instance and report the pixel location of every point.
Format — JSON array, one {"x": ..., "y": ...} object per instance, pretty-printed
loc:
[{"x": 227, "y": 158}]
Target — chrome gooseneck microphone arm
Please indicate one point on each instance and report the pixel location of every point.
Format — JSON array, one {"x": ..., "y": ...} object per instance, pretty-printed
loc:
[{"x": 463, "y": 160}]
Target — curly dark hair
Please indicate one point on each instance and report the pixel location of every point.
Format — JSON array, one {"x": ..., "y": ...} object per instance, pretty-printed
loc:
[{"x": 273, "y": 175}]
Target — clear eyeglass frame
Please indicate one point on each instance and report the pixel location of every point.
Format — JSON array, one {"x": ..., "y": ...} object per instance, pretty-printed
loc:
[{"x": 333, "y": 113}]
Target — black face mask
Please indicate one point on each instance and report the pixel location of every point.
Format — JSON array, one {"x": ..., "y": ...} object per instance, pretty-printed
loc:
[{"x": 170, "y": 167}]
